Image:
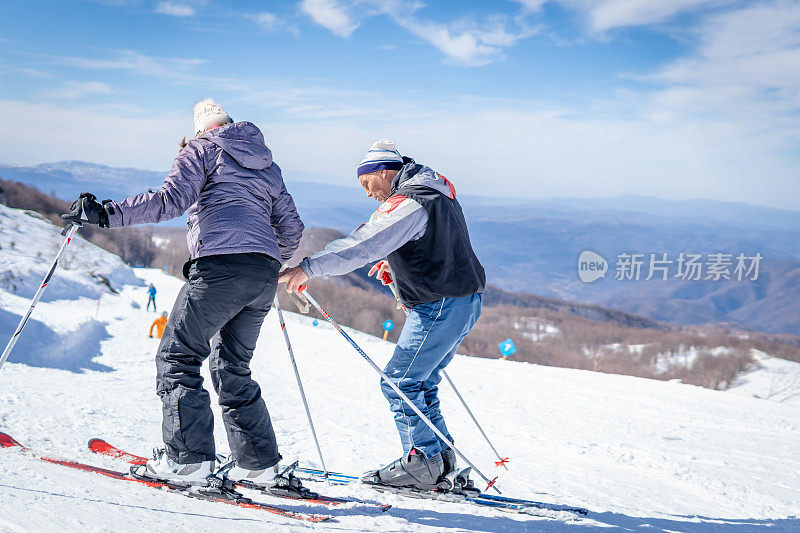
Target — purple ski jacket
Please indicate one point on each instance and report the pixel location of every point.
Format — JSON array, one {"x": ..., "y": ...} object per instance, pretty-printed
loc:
[{"x": 232, "y": 191}]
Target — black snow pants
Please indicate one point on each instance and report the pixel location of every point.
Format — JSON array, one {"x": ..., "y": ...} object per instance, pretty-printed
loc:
[{"x": 229, "y": 295}]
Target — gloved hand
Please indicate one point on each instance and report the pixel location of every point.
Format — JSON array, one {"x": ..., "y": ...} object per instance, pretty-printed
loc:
[
  {"x": 86, "y": 209},
  {"x": 382, "y": 272}
]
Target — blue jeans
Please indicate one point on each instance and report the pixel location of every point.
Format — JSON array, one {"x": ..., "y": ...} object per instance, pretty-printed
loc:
[{"x": 429, "y": 340}]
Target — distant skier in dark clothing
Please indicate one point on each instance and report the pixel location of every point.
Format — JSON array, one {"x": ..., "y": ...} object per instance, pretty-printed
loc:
[
  {"x": 420, "y": 228},
  {"x": 151, "y": 298},
  {"x": 242, "y": 226}
]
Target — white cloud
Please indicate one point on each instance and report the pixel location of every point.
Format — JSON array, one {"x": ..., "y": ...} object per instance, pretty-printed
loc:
[
  {"x": 464, "y": 42},
  {"x": 531, "y": 5},
  {"x": 744, "y": 70},
  {"x": 464, "y": 47},
  {"x": 331, "y": 15},
  {"x": 756, "y": 47},
  {"x": 266, "y": 20},
  {"x": 175, "y": 68},
  {"x": 468, "y": 42},
  {"x": 79, "y": 89},
  {"x": 16, "y": 70},
  {"x": 175, "y": 9},
  {"x": 604, "y": 15}
]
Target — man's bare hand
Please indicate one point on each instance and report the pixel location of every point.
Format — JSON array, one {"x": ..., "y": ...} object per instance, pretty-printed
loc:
[
  {"x": 293, "y": 277},
  {"x": 382, "y": 272}
]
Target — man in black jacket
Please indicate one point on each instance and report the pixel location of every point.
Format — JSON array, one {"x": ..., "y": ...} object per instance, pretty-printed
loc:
[{"x": 420, "y": 229}]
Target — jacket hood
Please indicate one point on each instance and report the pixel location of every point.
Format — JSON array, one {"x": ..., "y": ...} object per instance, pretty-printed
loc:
[
  {"x": 414, "y": 174},
  {"x": 244, "y": 142}
]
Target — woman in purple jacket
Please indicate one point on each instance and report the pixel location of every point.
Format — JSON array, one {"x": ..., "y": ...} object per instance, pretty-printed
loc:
[{"x": 242, "y": 227}]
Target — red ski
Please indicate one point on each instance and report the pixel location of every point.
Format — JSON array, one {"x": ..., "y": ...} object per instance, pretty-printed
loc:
[
  {"x": 229, "y": 497},
  {"x": 104, "y": 448}
]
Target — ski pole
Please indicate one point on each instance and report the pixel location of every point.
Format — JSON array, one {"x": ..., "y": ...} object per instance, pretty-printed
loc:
[
  {"x": 501, "y": 460},
  {"x": 68, "y": 231},
  {"x": 300, "y": 384},
  {"x": 490, "y": 482}
]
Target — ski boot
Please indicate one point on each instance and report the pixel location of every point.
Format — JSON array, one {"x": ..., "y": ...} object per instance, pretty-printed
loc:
[
  {"x": 447, "y": 481},
  {"x": 162, "y": 468},
  {"x": 270, "y": 480},
  {"x": 463, "y": 485},
  {"x": 413, "y": 470}
]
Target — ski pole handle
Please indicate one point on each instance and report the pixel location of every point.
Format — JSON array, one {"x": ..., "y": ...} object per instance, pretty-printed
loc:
[
  {"x": 400, "y": 304},
  {"x": 301, "y": 303}
]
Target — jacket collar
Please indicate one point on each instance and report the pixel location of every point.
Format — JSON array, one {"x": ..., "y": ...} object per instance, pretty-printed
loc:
[{"x": 409, "y": 170}]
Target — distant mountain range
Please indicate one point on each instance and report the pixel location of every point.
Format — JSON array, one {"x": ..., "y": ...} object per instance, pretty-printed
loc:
[{"x": 533, "y": 246}]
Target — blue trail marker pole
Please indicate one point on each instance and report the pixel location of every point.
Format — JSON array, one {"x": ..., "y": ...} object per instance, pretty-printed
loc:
[
  {"x": 387, "y": 327},
  {"x": 507, "y": 348}
]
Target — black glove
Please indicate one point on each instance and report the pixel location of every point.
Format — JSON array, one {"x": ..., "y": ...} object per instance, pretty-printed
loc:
[{"x": 86, "y": 209}]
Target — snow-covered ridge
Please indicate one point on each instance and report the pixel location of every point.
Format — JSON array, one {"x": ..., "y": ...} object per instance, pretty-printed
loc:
[{"x": 638, "y": 453}]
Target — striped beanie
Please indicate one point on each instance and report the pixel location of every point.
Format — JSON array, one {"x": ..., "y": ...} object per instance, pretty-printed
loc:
[{"x": 382, "y": 155}]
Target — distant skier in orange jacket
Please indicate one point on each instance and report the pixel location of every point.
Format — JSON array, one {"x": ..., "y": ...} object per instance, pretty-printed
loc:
[{"x": 159, "y": 323}]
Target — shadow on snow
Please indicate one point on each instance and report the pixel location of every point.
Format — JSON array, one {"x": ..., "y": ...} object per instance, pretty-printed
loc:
[
  {"x": 594, "y": 522},
  {"x": 40, "y": 346}
]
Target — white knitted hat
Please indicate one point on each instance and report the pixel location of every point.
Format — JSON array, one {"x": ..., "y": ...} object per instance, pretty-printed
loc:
[{"x": 208, "y": 113}]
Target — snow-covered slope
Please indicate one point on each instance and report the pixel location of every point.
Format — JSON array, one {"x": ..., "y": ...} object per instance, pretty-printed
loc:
[
  {"x": 638, "y": 453},
  {"x": 772, "y": 379}
]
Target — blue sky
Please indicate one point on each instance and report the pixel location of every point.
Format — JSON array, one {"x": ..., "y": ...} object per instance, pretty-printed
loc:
[{"x": 536, "y": 98}]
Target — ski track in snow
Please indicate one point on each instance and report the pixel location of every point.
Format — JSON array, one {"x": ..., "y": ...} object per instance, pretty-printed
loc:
[{"x": 638, "y": 453}]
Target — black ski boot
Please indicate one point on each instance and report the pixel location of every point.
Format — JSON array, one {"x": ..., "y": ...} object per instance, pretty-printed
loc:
[
  {"x": 414, "y": 470},
  {"x": 447, "y": 481},
  {"x": 463, "y": 485}
]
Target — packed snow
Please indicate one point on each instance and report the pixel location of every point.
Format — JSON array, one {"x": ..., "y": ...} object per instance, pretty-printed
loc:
[{"x": 638, "y": 453}]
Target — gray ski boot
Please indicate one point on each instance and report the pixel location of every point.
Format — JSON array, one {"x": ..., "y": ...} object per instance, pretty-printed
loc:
[{"x": 414, "y": 470}]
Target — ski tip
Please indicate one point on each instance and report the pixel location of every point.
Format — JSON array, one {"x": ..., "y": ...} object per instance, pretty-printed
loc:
[
  {"x": 100, "y": 446},
  {"x": 6, "y": 441}
]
